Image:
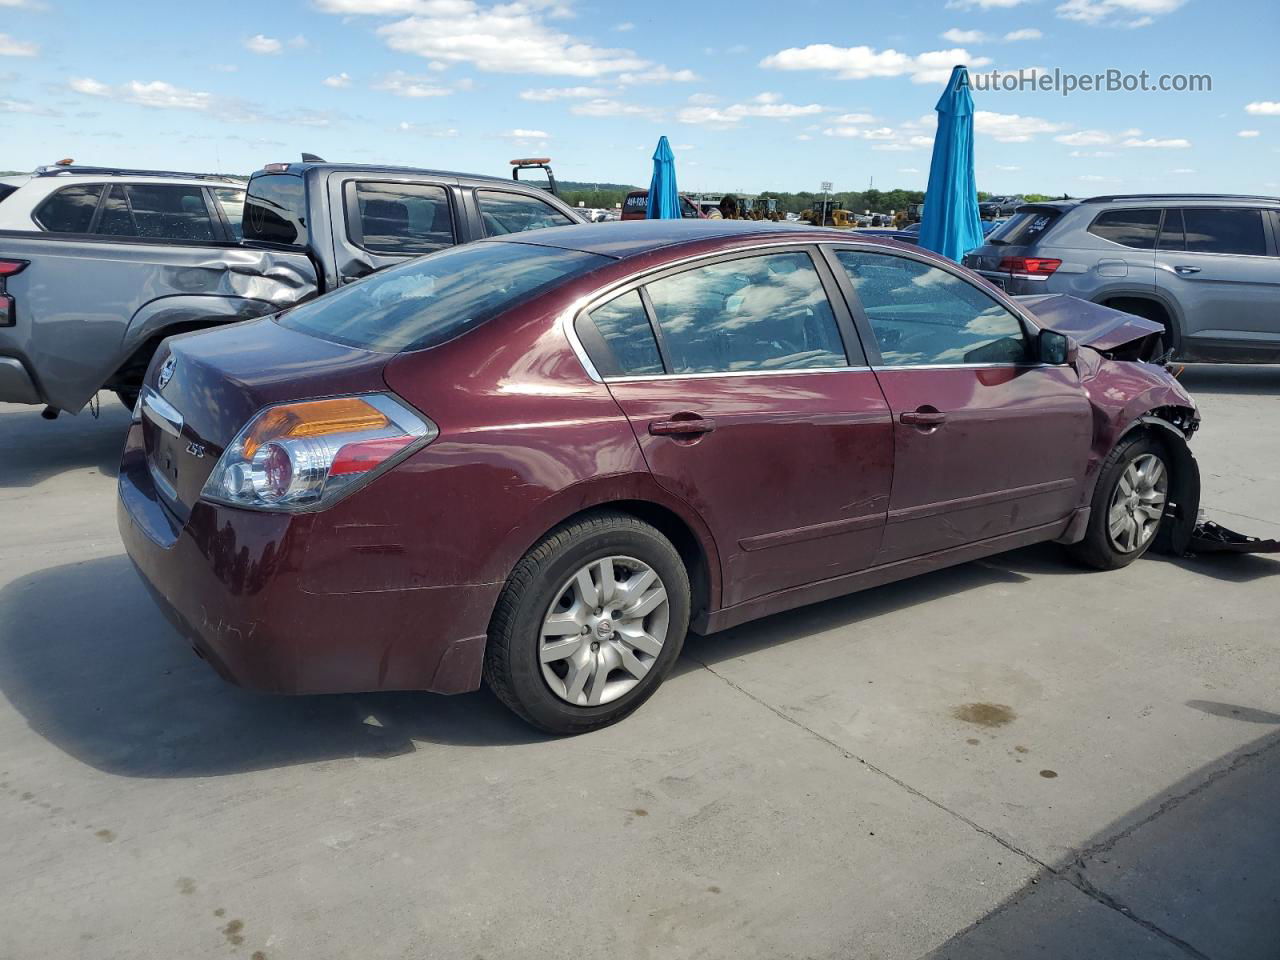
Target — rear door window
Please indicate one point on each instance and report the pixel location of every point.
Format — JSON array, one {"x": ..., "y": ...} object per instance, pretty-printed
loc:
[
  {"x": 401, "y": 219},
  {"x": 116, "y": 219},
  {"x": 1172, "y": 234},
  {"x": 275, "y": 210},
  {"x": 1229, "y": 230},
  {"x": 170, "y": 212},
  {"x": 70, "y": 210},
  {"x": 626, "y": 346},
  {"x": 1129, "y": 228},
  {"x": 429, "y": 300},
  {"x": 231, "y": 201},
  {"x": 767, "y": 312},
  {"x": 504, "y": 212}
]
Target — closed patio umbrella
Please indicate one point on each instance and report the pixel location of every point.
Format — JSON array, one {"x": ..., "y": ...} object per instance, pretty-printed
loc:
[
  {"x": 664, "y": 197},
  {"x": 950, "y": 224}
]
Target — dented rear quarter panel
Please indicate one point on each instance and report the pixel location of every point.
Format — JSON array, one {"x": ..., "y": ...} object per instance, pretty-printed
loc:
[{"x": 84, "y": 305}]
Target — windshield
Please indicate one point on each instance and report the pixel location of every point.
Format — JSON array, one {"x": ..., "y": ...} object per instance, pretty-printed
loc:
[
  {"x": 275, "y": 210},
  {"x": 435, "y": 298},
  {"x": 1024, "y": 227}
]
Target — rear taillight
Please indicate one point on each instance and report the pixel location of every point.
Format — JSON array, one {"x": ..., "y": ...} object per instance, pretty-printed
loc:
[
  {"x": 8, "y": 309},
  {"x": 304, "y": 456},
  {"x": 1030, "y": 267}
]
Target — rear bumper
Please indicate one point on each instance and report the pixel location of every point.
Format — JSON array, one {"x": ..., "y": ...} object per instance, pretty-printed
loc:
[
  {"x": 235, "y": 585},
  {"x": 16, "y": 385}
]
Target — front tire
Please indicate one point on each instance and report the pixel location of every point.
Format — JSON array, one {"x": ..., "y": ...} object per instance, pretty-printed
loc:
[
  {"x": 1128, "y": 505},
  {"x": 589, "y": 624}
]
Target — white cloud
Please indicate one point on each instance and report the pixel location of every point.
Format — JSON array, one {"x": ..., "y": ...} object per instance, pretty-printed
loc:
[
  {"x": 703, "y": 99},
  {"x": 406, "y": 127},
  {"x": 521, "y": 134},
  {"x": 299, "y": 42},
  {"x": 854, "y": 118},
  {"x": 25, "y": 106},
  {"x": 1085, "y": 138},
  {"x": 605, "y": 107},
  {"x": 1264, "y": 108},
  {"x": 510, "y": 37},
  {"x": 766, "y": 105},
  {"x": 225, "y": 67},
  {"x": 625, "y": 27},
  {"x": 1091, "y": 154},
  {"x": 1028, "y": 33},
  {"x": 338, "y": 80},
  {"x": 157, "y": 94},
  {"x": 955, "y": 35},
  {"x": 259, "y": 43},
  {"x": 1249, "y": 133},
  {"x": 1182, "y": 170},
  {"x": 983, "y": 4},
  {"x": 803, "y": 136},
  {"x": 10, "y": 47},
  {"x": 406, "y": 85},
  {"x": 858, "y": 63},
  {"x": 1012, "y": 127},
  {"x": 659, "y": 74},
  {"x": 908, "y": 170},
  {"x": 1007, "y": 168},
  {"x": 1172, "y": 143},
  {"x": 1094, "y": 178},
  {"x": 1117, "y": 13},
  {"x": 547, "y": 94}
]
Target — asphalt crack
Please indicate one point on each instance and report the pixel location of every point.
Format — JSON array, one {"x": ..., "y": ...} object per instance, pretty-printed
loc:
[{"x": 1068, "y": 874}]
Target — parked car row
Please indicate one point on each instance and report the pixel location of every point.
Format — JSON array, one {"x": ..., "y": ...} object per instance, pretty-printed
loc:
[{"x": 98, "y": 266}]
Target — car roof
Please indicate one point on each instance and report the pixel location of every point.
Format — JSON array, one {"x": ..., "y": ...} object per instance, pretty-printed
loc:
[
  {"x": 628, "y": 238},
  {"x": 301, "y": 168}
]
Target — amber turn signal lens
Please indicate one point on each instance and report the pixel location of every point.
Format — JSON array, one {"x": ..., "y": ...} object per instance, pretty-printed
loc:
[{"x": 314, "y": 418}]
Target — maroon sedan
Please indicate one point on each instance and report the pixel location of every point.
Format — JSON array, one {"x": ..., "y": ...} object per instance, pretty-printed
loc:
[{"x": 540, "y": 460}]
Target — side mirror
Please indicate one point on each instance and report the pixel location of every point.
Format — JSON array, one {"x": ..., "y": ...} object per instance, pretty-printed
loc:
[{"x": 1057, "y": 348}]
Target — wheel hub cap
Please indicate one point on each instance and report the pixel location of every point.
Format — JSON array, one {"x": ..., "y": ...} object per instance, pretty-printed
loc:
[
  {"x": 1138, "y": 503},
  {"x": 603, "y": 631}
]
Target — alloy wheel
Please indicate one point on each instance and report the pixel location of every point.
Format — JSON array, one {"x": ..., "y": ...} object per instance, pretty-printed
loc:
[
  {"x": 1138, "y": 503},
  {"x": 604, "y": 631}
]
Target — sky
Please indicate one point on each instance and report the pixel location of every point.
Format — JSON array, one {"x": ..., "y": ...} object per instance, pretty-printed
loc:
[{"x": 753, "y": 94}]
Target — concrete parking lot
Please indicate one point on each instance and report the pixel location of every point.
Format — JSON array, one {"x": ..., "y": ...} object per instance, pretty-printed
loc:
[{"x": 1012, "y": 758}]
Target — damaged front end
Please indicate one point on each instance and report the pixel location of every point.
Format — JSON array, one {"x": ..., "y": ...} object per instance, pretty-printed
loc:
[{"x": 1112, "y": 335}]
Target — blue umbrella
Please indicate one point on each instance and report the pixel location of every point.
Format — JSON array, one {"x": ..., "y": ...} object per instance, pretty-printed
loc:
[
  {"x": 664, "y": 198},
  {"x": 950, "y": 224}
]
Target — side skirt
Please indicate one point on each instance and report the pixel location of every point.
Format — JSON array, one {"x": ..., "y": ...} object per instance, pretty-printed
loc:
[{"x": 789, "y": 599}]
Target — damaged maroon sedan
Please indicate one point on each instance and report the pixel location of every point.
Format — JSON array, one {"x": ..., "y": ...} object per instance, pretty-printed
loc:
[{"x": 539, "y": 461}]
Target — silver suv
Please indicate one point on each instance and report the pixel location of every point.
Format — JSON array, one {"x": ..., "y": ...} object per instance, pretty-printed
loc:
[{"x": 1205, "y": 266}]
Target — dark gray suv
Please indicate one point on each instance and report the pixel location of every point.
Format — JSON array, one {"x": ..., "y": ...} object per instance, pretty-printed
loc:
[{"x": 1206, "y": 267}]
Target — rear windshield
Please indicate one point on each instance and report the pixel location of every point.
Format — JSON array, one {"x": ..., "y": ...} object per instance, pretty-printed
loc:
[
  {"x": 1024, "y": 227},
  {"x": 428, "y": 301},
  {"x": 275, "y": 210}
]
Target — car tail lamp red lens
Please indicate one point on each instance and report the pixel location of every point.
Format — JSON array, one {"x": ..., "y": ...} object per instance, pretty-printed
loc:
[
  {"x": 1030, "y": 266},
  {"x": 304, "y": 456},
  {"x": 8, "y": 309}
]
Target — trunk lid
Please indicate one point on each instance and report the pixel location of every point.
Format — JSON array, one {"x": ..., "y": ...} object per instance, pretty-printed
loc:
[
  {"x": 1089, "y": 324},
  {"x": 206, "y": 386}
]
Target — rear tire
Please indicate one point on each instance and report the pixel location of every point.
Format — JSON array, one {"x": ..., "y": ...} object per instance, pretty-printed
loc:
[
  {"x": 1128, "y": 505},
  {"x": 590, "y": 622}
]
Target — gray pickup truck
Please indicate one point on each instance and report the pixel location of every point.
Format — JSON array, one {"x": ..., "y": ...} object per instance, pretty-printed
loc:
[{"x": 86, "y": 298}]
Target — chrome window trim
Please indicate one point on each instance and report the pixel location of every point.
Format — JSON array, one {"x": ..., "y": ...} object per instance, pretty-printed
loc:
[
  {"x": 963, "y": 366},
  {"x": 644, "y": 378},
  {"x": 570, "y": 315}
]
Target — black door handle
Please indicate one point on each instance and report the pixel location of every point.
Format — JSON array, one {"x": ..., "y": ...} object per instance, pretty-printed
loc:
[
  {"x": 690, "y": 427},
  {"x": 923, "y": 418},
  {"x": 1184, "y": 270}
]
